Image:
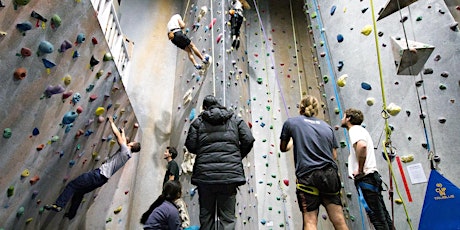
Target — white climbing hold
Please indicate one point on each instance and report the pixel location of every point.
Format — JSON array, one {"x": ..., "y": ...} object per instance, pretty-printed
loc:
[{"x": 393, "y": 109}]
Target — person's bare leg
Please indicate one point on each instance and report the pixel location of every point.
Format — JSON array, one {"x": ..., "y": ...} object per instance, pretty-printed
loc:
[
  {"x": 310, "y": 220},
  {"x": 190, "y": 55},
  {"x": 335, "y": 213},
  {"x": 196, "y": 51}
]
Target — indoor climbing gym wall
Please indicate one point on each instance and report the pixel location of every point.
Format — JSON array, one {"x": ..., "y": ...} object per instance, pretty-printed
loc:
[
  {"x": 397, "y": 61},
  {"x": 59, "y": 86},
  {"x": 207, "y": 25}
]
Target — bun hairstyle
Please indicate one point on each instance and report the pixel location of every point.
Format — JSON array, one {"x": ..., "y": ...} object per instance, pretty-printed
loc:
[
  {"x": 209, "y": 101},
  {"x": 309, "y": 106}
]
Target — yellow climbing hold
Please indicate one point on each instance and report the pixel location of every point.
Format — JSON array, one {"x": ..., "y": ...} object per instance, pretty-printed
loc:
[
  {"x": 117, "y": 210},
  {"x": 393, "y": 109},
  {"x": 342, "y": 80},
  {"x": 367, "y": 30},
  {"x": 370, "y": 101},
  {"x": 67, "y": 79},
  {"x": 398, "y": 201},
  {"x": 99, "y": 111},
  {"x": 112, "y": 142},
  {"x": 407, "y": 158},
  {"x": 25, "y": 173},
  {"x": 29, "y": 220}
]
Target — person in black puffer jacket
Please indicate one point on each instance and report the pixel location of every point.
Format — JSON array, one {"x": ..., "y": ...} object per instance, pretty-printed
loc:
[{"x": 220, "y": 139}]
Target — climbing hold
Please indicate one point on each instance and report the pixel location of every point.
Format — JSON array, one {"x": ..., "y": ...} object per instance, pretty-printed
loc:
[
  {"x": 192, "y": 114},
  {"x": 54, "y": 138},
  {"x": 442, "y": 86},
  {"x": 21, "y": 2},
  {"x": 99, "y": 111},
  {"x": 34, "y": 194},
  {"x": 10, "y": 191},
  {"x": 445, "y": 74},
  {"x": 370, "y": 101},
  {"x": 107, "y": 57},
  {"x": 117, "y": 210},
  {"x": 93, "y": 61},
  {"x": 40, "y": 147},
  {"x": 442, "y": 120},
  {"x": 67, "y": 94},
  {"x": 7, "y": 133},
  {"x": 80, "y": 38},
  {"x": 65, "y": 46},
  {"x": 393, "y": 109},
  {"x": 94, "y": 41},
  {"x": 349, "y": 194},
  {"x": 25, "y": 173},
  {"x": 34, "y": 179},
  {"x": 26, "y": 52},
  {"x": 48, "y": 64},
  {"x": 340, "y": 66},
  {"x": 75, "y": 54},
  {"x": 324, "y": 216},
  {"x": 20, "y": 73},
  {"x": 219, "y": 37},
  {"x": 428, "y": 71},
  {"x": 67, "y": 79},
  {"x": 99, "y": 73},
  {"x": 325, "y": 79},
  {"x": 259, "y": 80},
  {"x": 20, "y": 212},
  {"x": 69, "y": 117},
  {"x": 340, "y": 38},
  {"x": 92, "y": 97},
  {"x": 366, "y": 30},
  {"x": 45, "y": 47},
  {"x": 51, "y": 90},
  {"x": 398, "y": 201},
  {"x": 23, "y": 27},
  {"x": 341, "y": 81},
  {"x": 366, "y": 86},
  {"x": 212, "y": 23},
  {"x": 56, "y": 21},
  {"x": 364, "y": 10},
  {"x": 100, "y": 119},
  {"x": 90, "y": 87},
  {"x": 79, "y": 109},
  {"x": 343, "y": 144},
  {"x": 333, "y": 8},
  {"x": 453, "y": 26},
  {"x": 336, "y": 110},
  {"x": 192, "y": 192},
  {"x": 286, "y": 182},
  {"x": 263, "y": 221},
  {"x": 407, "y": 158}
]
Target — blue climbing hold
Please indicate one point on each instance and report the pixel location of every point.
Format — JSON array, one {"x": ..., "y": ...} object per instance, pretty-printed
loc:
[
  {"x": 69, "y": 117},
  {"x": 25, "y": 26},
  {"x": 366, "y": 86},
  {"x": 333, "y": 8},
  {"x": 192, "y": 114},
  {"x": 48, "y": 64},
  {"x": 46, "y": 47},
  {"x": 35, "y": 132},
  {"x": 340, "y": 38}
]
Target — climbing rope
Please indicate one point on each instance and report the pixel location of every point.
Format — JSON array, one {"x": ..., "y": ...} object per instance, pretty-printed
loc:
[
  {"x": 212, "y": 52},
  {"x": 385, "y": 115},
  {"x": 295, "y": 49},
  {"x": 186, "y": 9}
]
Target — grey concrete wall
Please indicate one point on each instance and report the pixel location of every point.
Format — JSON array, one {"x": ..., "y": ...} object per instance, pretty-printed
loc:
[
  {"x": 24, "y": 107},
  {"x": 358, "y": 53}
]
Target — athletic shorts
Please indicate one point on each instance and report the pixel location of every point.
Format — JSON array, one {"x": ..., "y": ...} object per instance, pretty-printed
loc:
[
  {"x": 181, "y": 40},
  {"x": 327, "y": 181}
]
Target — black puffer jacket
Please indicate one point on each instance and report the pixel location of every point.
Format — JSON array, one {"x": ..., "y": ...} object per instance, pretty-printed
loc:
[{"x": 220, "y": 140}]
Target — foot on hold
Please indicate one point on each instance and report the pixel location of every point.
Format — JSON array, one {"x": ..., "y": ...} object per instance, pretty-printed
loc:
[
  {"x": 234, "y": 43},
  {"x": 237, "y": 44},
  {"x": 206, "y": 59},
  {"x": 198, "y": 66},
  {"x": 53, "y": 207}
]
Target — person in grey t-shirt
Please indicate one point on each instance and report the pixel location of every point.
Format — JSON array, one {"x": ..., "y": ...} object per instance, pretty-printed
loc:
[
  {"x": 318, "y": 182},
  {"x": 91, "y": 180}
]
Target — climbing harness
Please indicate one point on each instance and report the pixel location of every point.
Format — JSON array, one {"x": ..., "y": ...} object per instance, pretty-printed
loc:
[{"x": 313, "y": 190}]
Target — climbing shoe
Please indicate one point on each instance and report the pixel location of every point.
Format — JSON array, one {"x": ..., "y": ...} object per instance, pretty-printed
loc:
[
  {"x": 53, "y": 207},
  {"x": 206, "y": 59},
  {"x": 237, "y": 44},
  {"x": 198, "y": 66}
]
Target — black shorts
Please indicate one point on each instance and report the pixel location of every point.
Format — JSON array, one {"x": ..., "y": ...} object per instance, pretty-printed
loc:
[
  {"x": 327, "y": 181},
  {"x": 181, "y": 40}
]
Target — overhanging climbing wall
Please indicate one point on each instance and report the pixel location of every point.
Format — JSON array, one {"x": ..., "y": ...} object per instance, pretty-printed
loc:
[
  {"x": 58, "y": 86},
  {"x": 426, "y": 93}
]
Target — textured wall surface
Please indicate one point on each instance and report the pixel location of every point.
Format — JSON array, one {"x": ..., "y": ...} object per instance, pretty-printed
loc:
[{"x": 41, "y": 143}]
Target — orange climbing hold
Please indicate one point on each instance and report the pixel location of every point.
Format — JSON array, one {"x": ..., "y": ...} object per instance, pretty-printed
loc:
[
  {"x": 40, "y": 147},
  {"x": 34, "y": 179}
]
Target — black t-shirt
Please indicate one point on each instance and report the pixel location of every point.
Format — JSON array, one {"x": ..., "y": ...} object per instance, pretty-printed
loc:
[{"x": 171, "y": 169}]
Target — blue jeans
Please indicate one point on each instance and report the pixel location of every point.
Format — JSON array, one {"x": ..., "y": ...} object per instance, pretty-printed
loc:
[
  {"x": 78, "y": 187},
  {"x": 378, "y": 215},
  {"x": 224, "y": 198}
]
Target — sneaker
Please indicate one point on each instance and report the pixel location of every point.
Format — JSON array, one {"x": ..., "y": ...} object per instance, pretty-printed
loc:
[
  {"x": 206, "y": 59},
  {"x": 198, "y": 66},
  {"x": 53, "y": 207}
]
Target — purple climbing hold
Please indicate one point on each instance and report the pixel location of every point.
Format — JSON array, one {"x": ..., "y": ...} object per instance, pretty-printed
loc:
[
  {"x": 333, "y": 8},
  {"x": 65, "y": 46},
  {"x": 51, "y": 90},
  {"x": 366, "y": 86},
  {"x": 340, "y": 38}
]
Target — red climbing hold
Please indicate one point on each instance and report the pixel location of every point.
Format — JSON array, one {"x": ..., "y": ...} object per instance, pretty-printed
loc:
[
  {"x": 286, "y": 182},
  {"x": 94, "y": 41},
  {"x": 34, "y": 179}
]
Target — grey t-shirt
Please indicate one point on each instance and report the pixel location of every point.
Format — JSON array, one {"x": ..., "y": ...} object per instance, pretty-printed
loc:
[
  {"x": 313, "y": 143},
  {"x": 115, "y": 162}
]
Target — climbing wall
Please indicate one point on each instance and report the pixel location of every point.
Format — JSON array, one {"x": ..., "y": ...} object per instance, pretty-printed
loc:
[
  {"x": 226, "y": 78},
  {"x": 59, "y": 84},
  {"x": 420, "y": 91}
]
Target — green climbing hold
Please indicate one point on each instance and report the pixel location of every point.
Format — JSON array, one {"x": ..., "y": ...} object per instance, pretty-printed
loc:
[
  {"x": 336, "y": 110},
  {"x": 108, "y": 220},
  {"x": 268, "y": 107},
  {"x": 259, "y": 80},
  {"x": 325, "y": 79},
  {"x": 20, "y": 212},
  {"x": 442, "y": 86},
  {"x": 313, "y": 15},
  {"x": 264, "y": 140},
  {"x": 273, "y": 175},
  {"x": 107, "y": 57},
  {"x": 352, "y": 218},
  {"x": 343, "y": 144},
  {"x": 56, "y": 21},
  {"x": 270, "y": 208},
  {"x": 7, "y": 133},
  {"x": 54, "y": 138},
  {"x": 21, "y": 2},
  {"x": 78, "y": 146},
  {"x": 419, "y": 18},
  {"x": 10, "y": 191}
]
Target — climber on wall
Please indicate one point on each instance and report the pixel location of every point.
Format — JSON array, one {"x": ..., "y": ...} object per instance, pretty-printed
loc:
[
  {"x": 315, "y": 151},
  {"x": 178, "y": 38},
  {"x": 91, "y": 180},
  {"x": 236, "y": 19}
]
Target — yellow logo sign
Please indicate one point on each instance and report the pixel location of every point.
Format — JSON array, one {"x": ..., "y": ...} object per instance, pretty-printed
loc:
[{"x": 442, "y": 193}]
